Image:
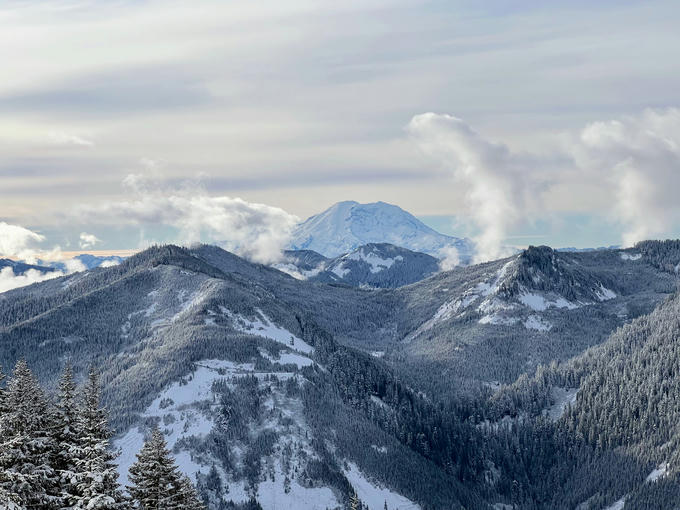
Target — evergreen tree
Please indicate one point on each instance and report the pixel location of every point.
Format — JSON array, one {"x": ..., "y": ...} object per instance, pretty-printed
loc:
[
  {"x": 97, "y": 476},
  {"x": 354, "y": 503},
  {"x": 27, "y": 449},
  {"x": 67, "y": 435},
  {"x": 190, "y": 499},
  {"x": 156, "y": 483}
]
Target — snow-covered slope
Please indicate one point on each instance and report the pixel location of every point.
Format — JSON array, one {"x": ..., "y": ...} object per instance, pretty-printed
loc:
[
  {"x": 347, "y": 225},
  {"x": 378, "y": 265}
]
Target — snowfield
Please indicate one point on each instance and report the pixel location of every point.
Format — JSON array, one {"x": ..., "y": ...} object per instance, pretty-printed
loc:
[
  {"x": 264, "y": 327},
  {"x": 375, "y": 496}
]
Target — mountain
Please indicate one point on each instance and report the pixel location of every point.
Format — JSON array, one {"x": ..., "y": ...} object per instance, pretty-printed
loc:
[
  {"x": 346, "y": 226},
  {"x": 378, "y": 265},
  {"x": 483, "y": 386},
  {"x": 85, "y": 260},
  {"x": 20, "y": 268},
  {"x": 237, "y": 378}
]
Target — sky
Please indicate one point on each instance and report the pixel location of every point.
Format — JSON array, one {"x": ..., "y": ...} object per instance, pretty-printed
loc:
[{"x": 128, "y": 122}]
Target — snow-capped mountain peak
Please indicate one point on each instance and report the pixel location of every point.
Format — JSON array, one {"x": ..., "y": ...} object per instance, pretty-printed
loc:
[{"x": 347, "y": 225}]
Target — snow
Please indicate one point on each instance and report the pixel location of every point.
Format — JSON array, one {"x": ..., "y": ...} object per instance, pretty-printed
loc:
[
  {"x": 374, "y": 260},
  {"x": 263, "y": 327},
  {"x": 375, "y": 496},
  {"x": 605, "y": 294},
  {"x": 498, "y": 320},
  {"x": 295, "y": 359},
  {"x": 378, "y": 401},
  {"x": 536, "y": 322},
  {"x": 187, "y": 422},
  {"x": 618, "y": 505},
  {"x": 272, "y": 496},
  {"x": 563, "y": 397},
  {"x": 487, "y": 289},
  {"x": 659, "y": 472},
  {"x": 540, "y": 303},
  {"x": 346, "y": 226},
  {"x": 340, "y": 271},
  {"x": 631, "y": 256}
]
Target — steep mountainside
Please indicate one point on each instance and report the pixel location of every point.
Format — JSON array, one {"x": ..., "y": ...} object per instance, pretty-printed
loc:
[
  {"x": 346, "y": 226},
  {"x": 373, "y": 265},
  {"x": 236, "y": 378},
  {"x": 253, "y": 372},
  {"x": 603, "y": 429}
]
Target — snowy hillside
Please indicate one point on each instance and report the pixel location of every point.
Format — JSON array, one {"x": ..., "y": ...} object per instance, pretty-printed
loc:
[
  {"x": 347, "y": 225},
  {"x": 373, "y": 265}
]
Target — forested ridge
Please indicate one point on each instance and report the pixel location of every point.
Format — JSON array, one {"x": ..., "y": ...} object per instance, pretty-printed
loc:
[{"x": 306, "y": 410}]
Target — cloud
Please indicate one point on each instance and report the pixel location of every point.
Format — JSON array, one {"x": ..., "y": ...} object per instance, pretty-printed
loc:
[
  {"x": 9, "y": 280},
  {"x": 88, "y": 241},
  {"x": 61, "y": 138},
  {"x": 448, "y": 258},
  {"x": 639, "y": 159},
  {"x": 17, "y": 241},
  {"x": 255, "y": 231},
  {"x": 498, "y": 184}
]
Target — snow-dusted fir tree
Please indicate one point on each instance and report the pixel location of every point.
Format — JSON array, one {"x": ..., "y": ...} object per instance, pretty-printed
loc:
[
  {"x": 27, "y": 449},
  {"x": 96, "y": 473},
  {"x": 190, "y": 498},
  {"x": 156, "y": 482},
  {"x": 66, "y": 435}
]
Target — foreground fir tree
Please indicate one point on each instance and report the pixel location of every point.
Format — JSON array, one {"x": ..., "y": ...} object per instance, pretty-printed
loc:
[
  {"x": 27, "y": 448},
  {"x": 96, "y": 473},
  {"x": 67, "y": 435},
  {"x": 156, "y": 482}
]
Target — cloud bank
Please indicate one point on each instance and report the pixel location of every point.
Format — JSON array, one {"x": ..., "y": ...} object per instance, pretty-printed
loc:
[
  {"x": 17, "y": 241},
  {"x": 9, "y": 280},
  {"x": 255, "y": 231}
]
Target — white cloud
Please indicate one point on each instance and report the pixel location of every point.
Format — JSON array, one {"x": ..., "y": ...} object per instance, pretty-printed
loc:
[
  {"x": 9, "y": 280},
  {"x": 499, "y": 188},
  {"x": 17, "y": 241},
  {"x": 639, "y": 159},
  {"x": 256, "y": 231},
  {"x": 61, "y": 138},
  {"x": 88, "y": 241},
  {"x": 448, "y": 258}
]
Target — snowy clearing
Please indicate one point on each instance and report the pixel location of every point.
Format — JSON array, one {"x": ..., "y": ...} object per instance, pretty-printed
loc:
[
  {"x": 374, "y": 496},
  {"x": 659, "y": 472},
  {"x": 264, "y": 327},
  {"x": 563, "y": 397},
  {"x": 537, "y": 323}
]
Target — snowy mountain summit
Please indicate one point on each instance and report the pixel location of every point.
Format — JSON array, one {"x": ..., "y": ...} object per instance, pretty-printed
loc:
[{"x": 347, "y": 225}]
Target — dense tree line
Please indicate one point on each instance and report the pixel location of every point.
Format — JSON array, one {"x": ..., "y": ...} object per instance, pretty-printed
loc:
[{"x": 56, "y": 456}]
